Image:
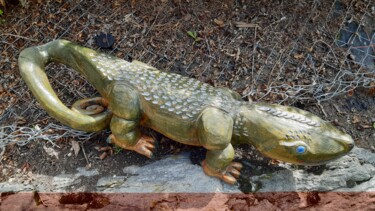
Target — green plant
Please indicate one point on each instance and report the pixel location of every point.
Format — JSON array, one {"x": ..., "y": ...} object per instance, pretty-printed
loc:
[
  {"x": 2, "y": 20},
  {"x": 3, "y": 5},
  {"x": 117, "y": 149},
  {"x": 194, "y": 35}
]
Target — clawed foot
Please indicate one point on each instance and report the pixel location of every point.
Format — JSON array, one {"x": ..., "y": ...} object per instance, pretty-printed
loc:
[
  {"x": 229, "y": 175},
  {"x": 144, "y": 146}
]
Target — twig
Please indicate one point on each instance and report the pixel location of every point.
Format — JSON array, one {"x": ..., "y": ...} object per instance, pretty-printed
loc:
[
  {"x": 246, "y": 25},
  {"x": 84, "y": 154},
  {"x": 19, "y": 36},
  {"x": 2, "y": 152},
  {"x": 253, "y": 62},
  {"x": 321, "y": 107},
  {"x": 337, "y": 109}
]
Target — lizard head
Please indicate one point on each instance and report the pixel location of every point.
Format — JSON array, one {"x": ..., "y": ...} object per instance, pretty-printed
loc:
[{"x": 292, "y": 135}]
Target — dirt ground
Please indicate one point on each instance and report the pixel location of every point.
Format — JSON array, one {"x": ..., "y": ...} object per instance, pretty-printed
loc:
[{"x": 264, "y": 50}]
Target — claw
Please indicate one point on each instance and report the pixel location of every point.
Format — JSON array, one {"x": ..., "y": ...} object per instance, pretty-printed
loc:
[
  {"x": 150, "y": 146},
  {"x": 238, "y": 166},
  {"x": 144, "y": 145},
  {"x": 229, "y": 175},
  {"x": 234, "y": 172}
]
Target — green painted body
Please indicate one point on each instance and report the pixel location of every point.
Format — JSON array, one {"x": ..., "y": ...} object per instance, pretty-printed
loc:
[{"x": 183, "y": 109}]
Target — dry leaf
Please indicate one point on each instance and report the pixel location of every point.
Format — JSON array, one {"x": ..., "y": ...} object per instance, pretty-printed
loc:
[
  {"x": 219, "y": 22},
  {"x": 76, "y": 147},
  {"x": 21, "y": 120},
  {"x": 355, "y": 119},
  {"x": 2, "y": 3},
  {"x": 371, "y": 91},
  {"x": 298, "y": 56},
  {"x": 350, "y": 92},
  {"x": 88, "y": 166},
  {"x": 25, "y": 167},
  {"x": 238, "y": 54},
  {"x": 103, "y": 155},
  {"x": 51, "y": 152},
  {"x": 366, "y": 126}
]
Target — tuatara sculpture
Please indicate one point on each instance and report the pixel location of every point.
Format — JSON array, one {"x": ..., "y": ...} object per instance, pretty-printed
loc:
[{"x": 186, "y": 110}]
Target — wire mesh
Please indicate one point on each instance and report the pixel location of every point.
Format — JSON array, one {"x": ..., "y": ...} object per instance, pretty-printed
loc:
[{"x": 289, "y": 52}]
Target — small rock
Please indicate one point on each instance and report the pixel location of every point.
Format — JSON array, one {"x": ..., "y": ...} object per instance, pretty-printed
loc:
[
  {"x": 174, "y": 174},
  {"x": 357, "y": 166},
  {"x": 109, "y": 182},
  {"x": 87, "y": 173}
]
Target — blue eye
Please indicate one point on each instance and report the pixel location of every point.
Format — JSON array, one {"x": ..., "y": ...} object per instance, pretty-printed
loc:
[{"x": 301, "y": 149}]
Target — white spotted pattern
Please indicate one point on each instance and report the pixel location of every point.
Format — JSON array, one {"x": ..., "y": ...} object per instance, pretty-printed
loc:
[
  {"x": 287, "y": 115},
  {"x": 172, "y": 93}
]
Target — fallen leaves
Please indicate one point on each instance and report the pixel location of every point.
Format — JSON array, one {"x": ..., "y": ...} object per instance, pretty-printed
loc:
[
  {"x": 298, "y": 56},
  {"x": 351, "y": 92},
  {"x": 371, "y": 90},
  {"x": 219, "y": 22},
  {"x": 365, "y": 126},
  {"x": 355, "y": 119},
  {"x": 106, "y": 151},
  {"x": 51, "y": 152},
  {"x": 20, "y": 120},
  {"x": 76, "y": 148},
  {"x": 26, "y": 167},
  {"x": 2, "y": 3},
  {"x": 362, "y": 123}
]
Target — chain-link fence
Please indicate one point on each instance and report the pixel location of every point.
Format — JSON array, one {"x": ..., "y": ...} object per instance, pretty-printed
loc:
[{"x": 274, "y": 51}]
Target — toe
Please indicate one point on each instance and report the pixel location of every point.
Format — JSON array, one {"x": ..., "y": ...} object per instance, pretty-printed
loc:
[
  {"x": 149, "y": 146},
  {"x": 236, "y": 165},
  {"x": 234, "y": 172},
  {"x": 146, "y": 152},
  {"x": 148, "y": 139},
  {"x": 229, "y": 179}
]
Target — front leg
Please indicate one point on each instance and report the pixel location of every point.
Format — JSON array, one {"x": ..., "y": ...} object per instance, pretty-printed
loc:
[
  {"x": 215, "y": 133},
  {"x": 218, "y": 163},
  {"x": 124, "y": 102}
]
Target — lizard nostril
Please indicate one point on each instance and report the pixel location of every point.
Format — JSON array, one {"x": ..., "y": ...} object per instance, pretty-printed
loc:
[{"x": 350, "y": 146}]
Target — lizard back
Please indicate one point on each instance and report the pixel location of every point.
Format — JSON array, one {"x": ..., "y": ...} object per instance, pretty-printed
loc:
[{"x": 171, "y": 93}]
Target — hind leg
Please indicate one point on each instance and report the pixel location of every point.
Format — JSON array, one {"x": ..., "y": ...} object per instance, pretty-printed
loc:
[
  {"x": 124, "y": 102},
  {"x": 126, "y": 135}
]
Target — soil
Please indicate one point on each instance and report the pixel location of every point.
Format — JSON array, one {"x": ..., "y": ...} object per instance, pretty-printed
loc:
[{"x": 255, "y": 59}]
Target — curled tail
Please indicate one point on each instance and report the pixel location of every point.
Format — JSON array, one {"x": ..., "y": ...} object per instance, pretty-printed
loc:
[{"x": 32, "y": 62}]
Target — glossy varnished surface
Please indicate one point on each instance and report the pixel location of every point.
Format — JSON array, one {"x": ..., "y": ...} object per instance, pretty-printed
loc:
[
  {"x": 184, "y": 109},
  {"x": 171, "y": 93}
]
